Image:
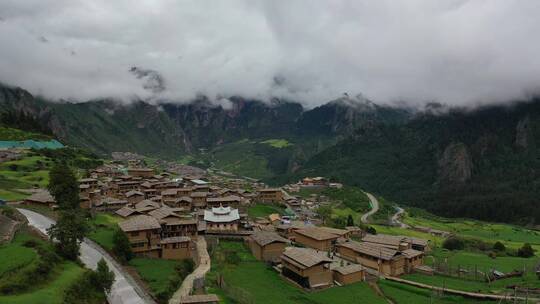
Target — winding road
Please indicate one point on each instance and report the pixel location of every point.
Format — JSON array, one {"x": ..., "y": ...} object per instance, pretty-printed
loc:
[
  {"x": 396, "y": 218},
  {"x": 374, "y": 208},
  {"x": 124, "y": 289}
]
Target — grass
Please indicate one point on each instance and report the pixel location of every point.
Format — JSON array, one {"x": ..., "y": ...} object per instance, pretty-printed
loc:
[
  {"x": 103, "y": 226},
  {"x": 277, "y": 143},
  {"x": 155, "y": 272},
  {"x": 482, "y": 261},
  {"x": 510, "y": 235},
  {"x": 53, "y": 292},
  {"x": 24, "y": 173},
  {"x": 405, "y": 294},
  {"x": 241, "y": 159},
  {"x": 263, "y": 210},
  {"x": 253, "y": 280},
  {"x": 17, "y": 258},
  {"x": 11, "y": 134},
  {"x": 15, "y": 255}
]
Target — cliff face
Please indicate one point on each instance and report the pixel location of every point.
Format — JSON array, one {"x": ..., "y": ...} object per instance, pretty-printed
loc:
[{"x": 455, "y": 164}]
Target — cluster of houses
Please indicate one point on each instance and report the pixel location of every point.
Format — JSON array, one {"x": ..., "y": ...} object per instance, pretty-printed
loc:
[
  {"x": 324, "y": 256},
  {"x": 163, "y": 214}
]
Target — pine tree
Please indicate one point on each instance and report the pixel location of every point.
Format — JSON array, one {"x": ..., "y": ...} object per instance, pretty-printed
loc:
[
  {"x": 121, "y": 246},
  {"x": 104, "y": 276}
]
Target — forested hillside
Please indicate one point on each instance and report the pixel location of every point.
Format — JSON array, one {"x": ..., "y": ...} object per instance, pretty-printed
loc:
[{"x": 483, "y": 163}]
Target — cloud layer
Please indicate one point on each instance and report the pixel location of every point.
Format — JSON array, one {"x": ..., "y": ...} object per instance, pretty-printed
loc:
[{"x": 455, "y": 51}]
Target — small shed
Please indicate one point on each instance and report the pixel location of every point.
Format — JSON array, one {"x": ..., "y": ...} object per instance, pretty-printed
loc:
[{"x": 349, "y": 274}]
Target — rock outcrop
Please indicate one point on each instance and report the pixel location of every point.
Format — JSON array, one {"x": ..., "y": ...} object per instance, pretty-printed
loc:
[{"x": 455, "y": 164}]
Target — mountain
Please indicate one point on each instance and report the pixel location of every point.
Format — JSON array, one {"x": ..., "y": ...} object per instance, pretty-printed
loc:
[
  {"x": 171, "y": 130},
  {"x": 483, "y": 163}
]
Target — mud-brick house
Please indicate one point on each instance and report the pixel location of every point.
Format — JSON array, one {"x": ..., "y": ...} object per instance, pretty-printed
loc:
[
  {"x": 306, "y": 267},
  {"x": 266, "y": 245},
  {"x": 176, "y": 248},
  {"x": 143, "y": 232},
  {"x": 316, "y": 238},
  {"x": 385, "y": 260}
]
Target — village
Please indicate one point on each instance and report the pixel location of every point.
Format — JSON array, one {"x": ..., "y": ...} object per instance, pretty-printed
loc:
[{"x": 168, "y": 216}]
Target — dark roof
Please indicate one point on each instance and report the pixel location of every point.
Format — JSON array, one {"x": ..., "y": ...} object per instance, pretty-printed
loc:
[
  {"x": 371, "y": 249},
  {"x": 264, "y": 238},
  {"x": 353, "y": 268},
  {"x": 139, "y": 222},
  {"x": 317, "y": 234},
  {"x": 304, "y": 257}
]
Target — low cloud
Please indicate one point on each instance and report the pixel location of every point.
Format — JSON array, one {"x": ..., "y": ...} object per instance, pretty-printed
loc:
[{"x": 456, "y": 52}]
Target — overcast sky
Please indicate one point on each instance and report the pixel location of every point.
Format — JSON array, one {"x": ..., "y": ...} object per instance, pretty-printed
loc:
[{"x": 456, "y": 51}]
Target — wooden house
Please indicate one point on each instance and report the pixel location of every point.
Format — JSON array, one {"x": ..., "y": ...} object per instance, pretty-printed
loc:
[
  {"x": 385, "y": 260},
  {"x": 176, "y": 248},
  {"x": 306, "y": 267},
  {"x": 266, "y": 245},
  {"x": 315, "y": 238},
  {"x": 143, "y": 232},
  {"x": 270, "y": 195}
]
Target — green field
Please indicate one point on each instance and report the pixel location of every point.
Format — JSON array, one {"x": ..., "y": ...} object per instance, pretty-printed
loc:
[
  {"x": 18, "y": 259},
  {"x": 103, "y": 226},
  {"x": 155, "y": 272},
  {"x": 510, "y": 235},
  {"x": 28, "y": 172},
  {"x": 254, "y": 281},
  {"x": 14, "y": 255},
  {"x": 53, "y": 291},
  {"x": 263, "y": 210},
  {"x": 277, "y": 143},
  {"x": 241, "y": 158}
]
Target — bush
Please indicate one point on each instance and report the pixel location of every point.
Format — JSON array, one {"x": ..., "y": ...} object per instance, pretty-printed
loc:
[
  {"x": 526, "y": 251},
  {"x": 371, "y": 230},
  {"x": 453, "y": 243},
  {"x": 498, "y": 246}
]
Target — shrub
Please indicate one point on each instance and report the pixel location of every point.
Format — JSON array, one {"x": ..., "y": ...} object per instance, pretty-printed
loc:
[
  {"x": 371, "y": 230},
  {"x": 453, "y": 243},
  {"x": 498, "y": 246},
  {"x": 526, "y": 251}
]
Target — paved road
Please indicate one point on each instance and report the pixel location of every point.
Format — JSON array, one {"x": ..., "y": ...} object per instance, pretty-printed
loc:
[
  {"x": 396, "y": 218},
  {"x": 199, "y": 272},
  {"x": 374, "y": 208},
  {"x": 124, "y": 289}
]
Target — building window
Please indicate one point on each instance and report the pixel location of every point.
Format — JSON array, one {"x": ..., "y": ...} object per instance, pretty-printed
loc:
[{"x": 134, "y": 233}]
